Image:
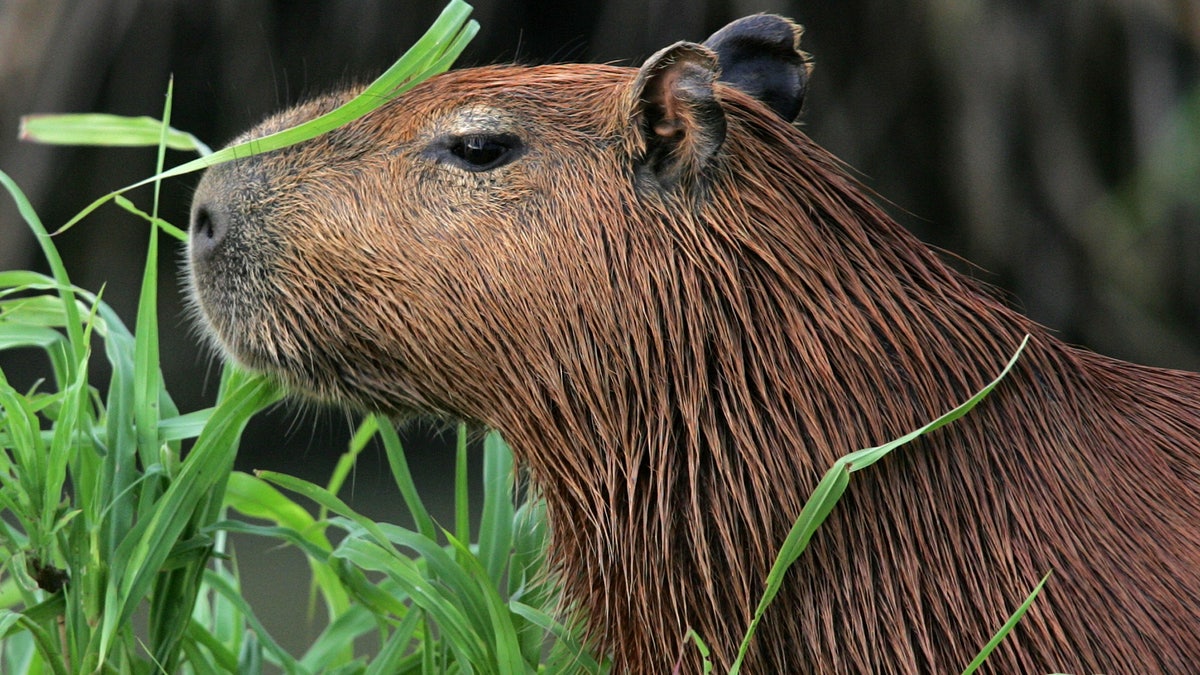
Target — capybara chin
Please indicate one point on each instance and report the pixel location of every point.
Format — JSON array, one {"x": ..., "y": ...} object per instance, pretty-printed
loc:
[{"x": 680, "y": 311}]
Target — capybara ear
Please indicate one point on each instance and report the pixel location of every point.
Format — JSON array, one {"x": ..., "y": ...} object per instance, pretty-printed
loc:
[
  {"x": 678, "y": 120},
  {"x": 761, "y": 55}
]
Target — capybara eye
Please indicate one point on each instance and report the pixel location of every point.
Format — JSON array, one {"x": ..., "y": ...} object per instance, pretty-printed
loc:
[{"x": 483, "y": 152}]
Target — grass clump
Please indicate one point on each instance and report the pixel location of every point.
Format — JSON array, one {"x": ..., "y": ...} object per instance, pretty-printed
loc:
[{"x": 103, "y": 519}]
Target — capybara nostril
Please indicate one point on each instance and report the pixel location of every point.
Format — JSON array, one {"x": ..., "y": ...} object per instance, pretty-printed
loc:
[
  {"x": 207, "y": 229},
  {"x": 203, "y": 223}
]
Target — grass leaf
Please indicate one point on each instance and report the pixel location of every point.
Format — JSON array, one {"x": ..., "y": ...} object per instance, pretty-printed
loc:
[
  {"x": 831, "y": 488},
  {"x": 403, "y": 477},
  {"x": 462, "y": 489},
  {"x": 102, "y": 129},
  {"x": 434, "y": 53},
  {"x": 496, "y": 521},
  {"x": 73, "y": 325},
  {"x": 1006, "y": 628}
]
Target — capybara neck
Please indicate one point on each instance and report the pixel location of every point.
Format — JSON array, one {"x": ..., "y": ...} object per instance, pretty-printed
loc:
[
  {"x": 786, "y": 328},
  {"x": 680, "y": 311}
]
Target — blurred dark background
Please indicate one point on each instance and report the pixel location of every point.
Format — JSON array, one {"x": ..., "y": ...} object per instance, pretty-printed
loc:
[{"x": 1055, "y": 144}]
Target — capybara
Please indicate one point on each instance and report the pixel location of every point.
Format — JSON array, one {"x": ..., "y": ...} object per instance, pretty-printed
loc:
[{"x": 680, "y": 312}]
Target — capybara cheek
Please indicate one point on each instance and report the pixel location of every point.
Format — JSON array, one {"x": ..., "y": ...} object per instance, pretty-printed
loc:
[{"x": 233, "y": 252}]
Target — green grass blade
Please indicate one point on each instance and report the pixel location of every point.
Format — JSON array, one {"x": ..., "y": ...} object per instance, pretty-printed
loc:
[
  {"x": 147, "y": 374},
  {"x": 41, "y": 637},
  {"x": 818, "y": 507},
  {"x": 452, "y": 623},
  {"x": 319, "y": 553},
  {"x": 301, "y": 540},
  {"x": 433, "y": 53},
  {"x": 456, "y": 48},
  {"x": 257, "y": 499},
  {"x": 336, "y": 600},
  {"x": 456, "y": 603},
  {"x": 105, "y": 130},
  {"x": 21, "y": 278},
  {"x": 499, "y": 627},
  {"x": 575, "y": 654},
  {"x": 175, "y": 590},
  {"x": 161, "y": 224},
  {"x": 234, "y": 596},
  {"x": 496, "y": 520},
  {"x": 403, "y": 477},
  {"x": 861, "y": 459},
  {"x": 118, "y": 468},
  {"x": 328, "y": 650},
  {"x": 218, "y": 658},
  {"x": 185, "y": 426},
  {"x": 74, "y": 325},
  {"x": 219, "y": 618},
  {"x": 1006, "y": 628},
  {"x": 422, "y": 59},
  {"x": 441, "y": 565},
  {"x": 694, "y": 637},
  {"x": 250, "y": 658},
  {"x": 66, "y": 427},
  {"x": 28, "y": 450},
  {"x": 526, "y": 574},
  {"x": 15, "y": 336},
  {"x": 394, "y": 657},
  {"x": 831, "y": 488},
  {"x": 362, "y": 436},
  {"x": 462, "y": 489},
  {"x": 325, "y": 499}
]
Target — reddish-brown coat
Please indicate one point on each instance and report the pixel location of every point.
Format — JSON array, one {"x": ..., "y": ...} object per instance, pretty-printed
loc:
[{"x": 676, "y": 364}]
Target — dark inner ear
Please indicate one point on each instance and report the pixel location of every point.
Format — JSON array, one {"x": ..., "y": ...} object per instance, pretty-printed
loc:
[
  {"x": 761, "y": 56},
  {"x": 680, "y": 121}
]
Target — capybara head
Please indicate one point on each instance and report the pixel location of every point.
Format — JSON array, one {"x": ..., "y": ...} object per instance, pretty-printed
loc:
[
  {"x": 365, "y": 265},
  {"x": 680, "y": 311}
]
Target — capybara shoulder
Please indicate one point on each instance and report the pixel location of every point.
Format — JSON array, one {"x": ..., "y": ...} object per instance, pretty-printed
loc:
[{"x": 680, "y": 311}]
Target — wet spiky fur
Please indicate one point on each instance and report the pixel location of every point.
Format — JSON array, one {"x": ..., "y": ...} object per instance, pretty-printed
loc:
[{"x": 676, "y": 368}]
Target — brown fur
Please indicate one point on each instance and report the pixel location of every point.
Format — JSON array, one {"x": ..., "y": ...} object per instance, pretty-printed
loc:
[{"x": 676, "y": 366}]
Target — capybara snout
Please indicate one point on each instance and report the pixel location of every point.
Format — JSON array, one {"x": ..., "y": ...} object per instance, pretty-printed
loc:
[{"x": 680, "y": 312}]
